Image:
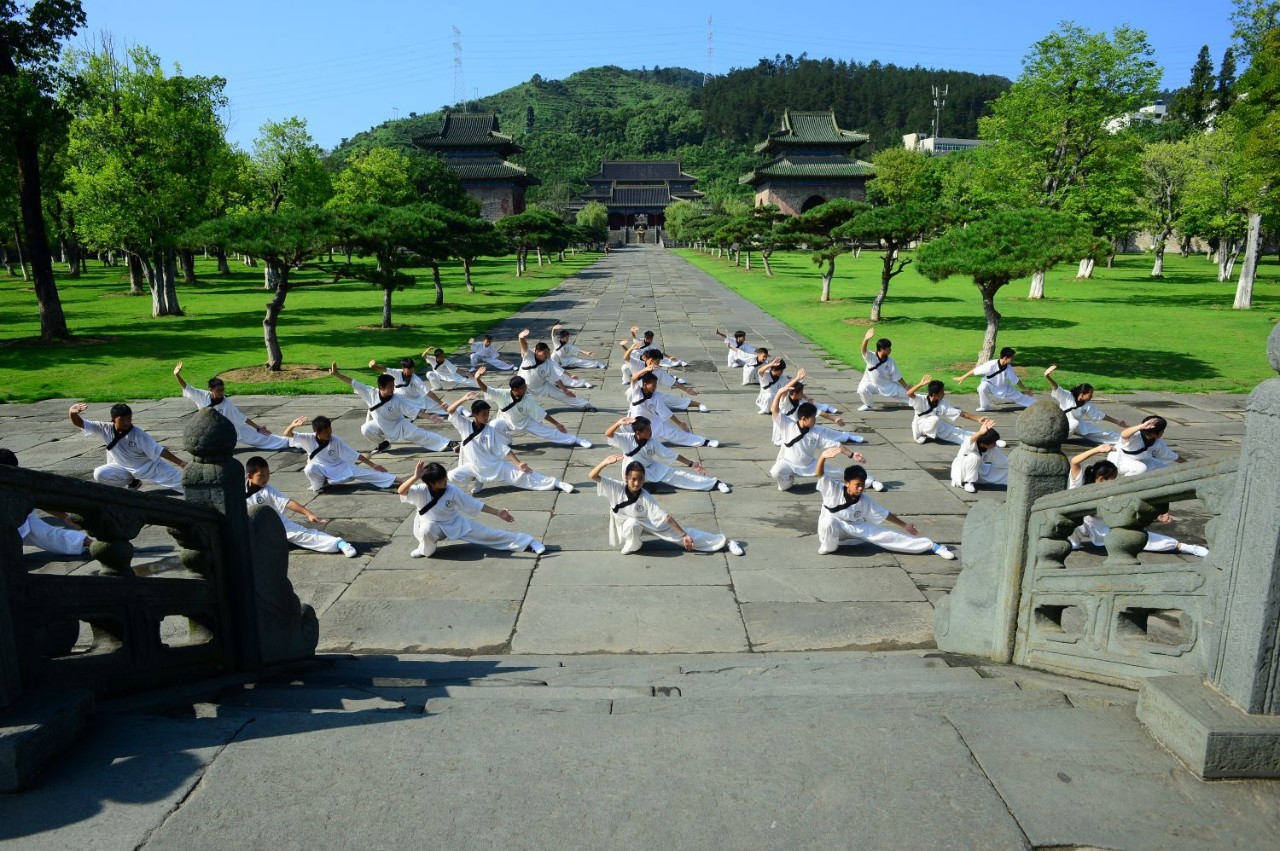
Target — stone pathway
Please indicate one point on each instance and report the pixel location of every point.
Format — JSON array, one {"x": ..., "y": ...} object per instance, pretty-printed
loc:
[{"x": 583, "y": 597}]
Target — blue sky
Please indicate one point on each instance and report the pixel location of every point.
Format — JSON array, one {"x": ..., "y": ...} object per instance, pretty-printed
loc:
[{"x": 346, "y": 66}]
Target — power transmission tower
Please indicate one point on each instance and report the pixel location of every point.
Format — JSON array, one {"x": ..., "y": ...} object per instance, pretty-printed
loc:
[
  {"x": 459, "y": 90},
  {"x": 939, "y": 101},
  {"x": 711, "y": 56}
]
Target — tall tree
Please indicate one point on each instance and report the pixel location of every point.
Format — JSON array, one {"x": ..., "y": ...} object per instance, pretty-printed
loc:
[
  {"x": 993, "y": 251},
  {"x": 904, "y": 176},
  {"x": 1251, "y": 21},
  {"x": 383, "y": 232},
  {"x": 1225, "y": 92},
  {"x": 1072, "y": 84},
  {"x": 30, "y": 38},
  {"x": 1194, "y": 103},
  {"x": 895, "y": 227},
  {"x": 287, "y": 167},
  {"x": 1166, "y": 167},
  {"x": 817, "y": 229}
]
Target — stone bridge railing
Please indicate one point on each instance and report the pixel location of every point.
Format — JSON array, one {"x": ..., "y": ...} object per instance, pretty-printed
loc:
[
  {"x": 1201, "y": 641},
  {"x": 233, "y": 590}
]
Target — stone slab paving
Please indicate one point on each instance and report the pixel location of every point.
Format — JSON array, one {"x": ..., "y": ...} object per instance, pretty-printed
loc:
[{"x": 581, "y": 596}]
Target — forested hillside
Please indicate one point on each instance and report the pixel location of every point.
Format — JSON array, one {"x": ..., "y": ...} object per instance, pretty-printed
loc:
[{"x": 567, "y": 126}]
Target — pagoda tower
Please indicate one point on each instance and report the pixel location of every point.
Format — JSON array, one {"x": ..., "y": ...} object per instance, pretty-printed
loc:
[
  {"x": 472, "y": 146},
  {"x": 811, "y": 160}
]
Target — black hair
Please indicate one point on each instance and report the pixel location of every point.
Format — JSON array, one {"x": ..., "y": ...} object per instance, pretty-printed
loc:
[
  {"x": 321, "y": 423},
  {"x": 1158, "y": 424},
  {"x": 487, "y": 337},
  {"x": 855, "y": 471},
  {"x": 634, "y": 467},
  {"x": 798, "y": 387},
  {"x": 542, "y": 347},
  {"x": 216, "y": 382},
  {"x": 781, "y": 364},
  {"x": 406, "y": 363},
  {"x": 649, "y": 378},
  {"x": 480, "y": 405},
  {"x": 438, "y": 352},
  {"x": 120, "y": 409},
  {"x": 739, "y": 333},
  {"x": 517, "y": 382},
  {"x": 806, "y": 409},
  {"x": 761, "y": 350},
  {"x": 884, "y": 343},
  {"x": 641, "y": 423},
  {"x": 990, "y": 438},
  {"x": 385, "y": 380},
  {"x": 256, "y": 464},
  {"x": 1007, "y": 352},
  {"x": 563, "y": 332},
  {"x": 434, "y": 472},
  {"x": 648, "y": 333},
  {"x": 7, "y": 458},
  {"x": 1079, "y": 390},
  {"x": 1100, "y": 469},
  {"x": 648, "y": 354},
  {"x": 937, "y": 386}
]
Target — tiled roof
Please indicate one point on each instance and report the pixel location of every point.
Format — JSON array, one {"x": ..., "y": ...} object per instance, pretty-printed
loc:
[
  {"x": 809, "y": 128},
  {"x": 823, "y": 167},
  {"x": 641, "y": 196},
  {"x": 647, "y": 171},
  {"x": 469, "y": 129},
  {"x": 490, "y": 168}
]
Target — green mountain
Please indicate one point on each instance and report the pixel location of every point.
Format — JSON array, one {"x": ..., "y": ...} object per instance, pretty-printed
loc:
[{"x": 568, "y": 126}]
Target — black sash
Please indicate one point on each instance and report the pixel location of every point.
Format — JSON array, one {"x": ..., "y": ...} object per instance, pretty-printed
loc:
[
  {"x": 402, "y": 386},
  {"x": 213, "y": 404},
  {"x": 475, "y": 432},
  {"x": 119, "y": 436},
  {"x": 252, "y": 490},
  {"x": 561, "y": 346},
  {"x": 630, "y": 500},
  {"x": 771, "y": 383},
  {"x": 793, "y": 441},
  {"x": 794, "y": 408},
  {"x": 1146, "y": 444},
  {"x": 842, "y": 506},
  {"x": 880, "y": 362},
  {"x": 432, "y": 504},
  {"x": 1077, "y": 406},
  {"x": 1000, "y": 370},
  {"x": 639, "y": 445},
  {"x": 514, "y": 402},
  {"x": 321, "y": 445},
  {"x": 380, "y": 404},
  {"x": 931, "y": 409}
]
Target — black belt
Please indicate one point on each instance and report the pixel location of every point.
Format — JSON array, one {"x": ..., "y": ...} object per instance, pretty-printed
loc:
[{"x": 321, "y": 445}]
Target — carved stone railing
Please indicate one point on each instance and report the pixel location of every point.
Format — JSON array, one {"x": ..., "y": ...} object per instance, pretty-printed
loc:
[
  {"x": 232, "y": 588},
  {"x": 1201, "y": 640}
]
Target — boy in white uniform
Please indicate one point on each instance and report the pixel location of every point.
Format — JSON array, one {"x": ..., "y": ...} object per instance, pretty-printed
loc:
[
  {"x": 34, "y": 531},
  {"x": 999, "y": 381},
  {"x": 751, "y": 371},
  {"x": 881, "y": 376},
  {"x": 441, "y": 373},
  {"x": 133, "y": 456},
  {"x": 247, "y": 431},
  {"x": 414, "y": 390},
  {"x": 741, "y": 353},
  {"x": 794, "y": 395},
  {"x": 633, "y": 511},
  {"x": 652, "y": 360},
  {"x": 800, "y": 444},
  {"x": 633, "y": 436},
  {"x": 519, "y": 412},
  {"x": 484, "y": 352},
  {"x": 258, "y": 491},
  {"x": 773, "y": 377},
  {"x": 485, "y": 456},
  {"x": 390, "y": 416},
  {"x": 1142, "y": 448},
  {"x": 540, "y": 374},
  {"x": 646, "y": 342},
  {"x": 850, "y": 516},
  {"x": 932, "y": 411},
  {"x": 979, "y": 460},
  {"x": 644, "y": 400},
  {"x": 445, "y": 512},
  {"x": 330, "y": 460},
  {"x": 568, "y": 355},
  {"x": 1077, "y": 404}
]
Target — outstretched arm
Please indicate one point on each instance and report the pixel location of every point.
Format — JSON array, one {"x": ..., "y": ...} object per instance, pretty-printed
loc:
[
  {"x": 829, "y": 452},
  {"x": 1048, "y": 376},
  {"x": 294, "y": 505},
  {"x": 609, "y": 432},
  {"x": 466, "y": 397},
  {"x": 409, "y": 480},
  {"x": 961, "y": 379},
  {"x": 594, "y": 475},
  {"x": 523, "y": 337},
  {"x": 177, "y": 373},
  {"x": 333, "y": 370},
  {"x": 924, "y": 381},
  {"x": 1077, "y": 462},
  {"x": 173, "y": 459},
  {"x": 74, "y": 413},
  {"x": 866, "y": 339},
  {"x": 288, "y": 430},
  {"x": 1134, "y": 429},
  {"x": 480, "y": 370}
]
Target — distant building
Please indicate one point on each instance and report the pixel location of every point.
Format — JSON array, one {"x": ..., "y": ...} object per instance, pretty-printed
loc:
[
  {"x": 936, "y": 146},
  {"x": 811, "y": 161},
  {"x": 1151, "y": 114},
  {"x": 472, "y": 146},
  {"x": 637, "y": 193}
]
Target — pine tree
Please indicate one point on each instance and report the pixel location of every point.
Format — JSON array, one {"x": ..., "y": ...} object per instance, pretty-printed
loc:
[
  {"x": 1224, "y": 95},
  {"x": 1193, "y": 104}
]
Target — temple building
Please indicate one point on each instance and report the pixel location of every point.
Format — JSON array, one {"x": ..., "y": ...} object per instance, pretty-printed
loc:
[
  {"x": 472, "y": 146},
  {"x": 811, "y": 161},
  {"x": 637, "y": 194}
]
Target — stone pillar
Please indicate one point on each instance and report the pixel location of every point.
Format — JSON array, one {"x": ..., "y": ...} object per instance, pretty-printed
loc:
[
  {"x": 980, "y": 616},
  {"x": 14, "y": 508}
]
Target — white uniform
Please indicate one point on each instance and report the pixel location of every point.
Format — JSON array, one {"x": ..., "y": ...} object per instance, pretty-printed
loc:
[
  {"x": 335, "y": 463},
  {"x": 657, "y": 460},
  {"x": 1135, "y": 455},
  {"x": 1093, "y": 531},
  {"x": 448, "y": 517},
  {"x": 931, "y": 420},
  {"x": 843, "y": 521},
  {"x": 798, "y": 452},
  {"x": 515, "y": 417},
  {"x": 750, "y": 372},
  {"x": 298, "y": 535},
  {"x": 971, "y": 466},
  {"x": 244, "y": 433},
  {"x": 542, "y": 378},
  {"x": 669, "y": 363},
  {"x": 630, "y": 518},
  {"x": 566, "y": 378},
  {"x": 480, "y": 353},
  {"x": 739, "y": 356},
  {"x": 136, "y": 455},
  {"x": 414, "y": 391},
  {"x": 570, "y": 356},
  {"x": 659, "y": 415},
  {"x": 35, "y": 532},
  {"x": 667, "y": 380},
  {"x": 788, "y": 408},
  {"x": 770, "y": 387},
  {"x": 482, "y": 459},
  {"x": 392, "y": 419},
  {"x": 445, "y": 376},
  {"x": 880, "y": 378},
  {"x": 999, "y": 382},
  {"x": 1081, "y": 418}
]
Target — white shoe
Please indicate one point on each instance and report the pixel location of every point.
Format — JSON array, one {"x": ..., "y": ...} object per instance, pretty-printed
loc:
[
  {"x": 866, "y": 407},
  {"x": 566, "y": 487},
  {"x": 1193, "y": 550},
  {"x": 583, "y": 443},
  {"x": 942, "y": 552},
  {"x": 969, "y": 487},
  {"x": 417, "y": 553},
  {"x": 736, "y": 548},
  {"x": 854, "y": 438},
  {"x": 724, "y": 487},
  {"x": 702, "y": 409},
  {"x": 922, "y": 440},
  {"x": 877, "y": 485},
  {"x": 982, "y": 410},
  {"x": 347, "y": 550},
  {"x": 1002, "y": 444},
  {"x": 537, "y": 548},
  {"x": 713, "y": 443}
]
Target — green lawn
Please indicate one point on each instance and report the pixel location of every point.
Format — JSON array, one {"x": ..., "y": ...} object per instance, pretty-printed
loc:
[
  {"x": 1121, "y": 331},
  {"x": 121, "y": 352}
]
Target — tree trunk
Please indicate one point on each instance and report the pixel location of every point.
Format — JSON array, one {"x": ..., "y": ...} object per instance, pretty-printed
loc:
[
  {"x": 826, "y": 279},
  {"x": 764, "y": 260},
  {"x": 1244, "y": 289},
  {"x": 435, "y": 278},
  {"x": 1037, "y": 286},
  {"x": 386, "y": 307},
  {"x": 136, "y": 274},
  {"x": 993, "y": 321},
  {"x": 53, "y": 322},
  {"x": 223, "y": 267},
  {"x": 270, "y": 277},
  {"x": 1085, "y": 270},
  {"x": 1157, "y": 271},
  {"x": 886, "y": 275},
  {"x": 275, "y": 358},
  {"x": 171, "y": 282},
  {"x": 748, "y": 261},
  {"x": 1111, "y": 254},
  {"x": 466, "y": 274},
  {"x": 187, "y": 261},
  {"x": 8, "y": 261},
  {"x": 1228, "y": 250},
  {"x": 75, "y": 258},
  {"x": 250, "y": 261},
  {"x": 22, "y": 261},
  {"x": 538, "y": 249},
  {"x": 1184, "y": 247}
]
